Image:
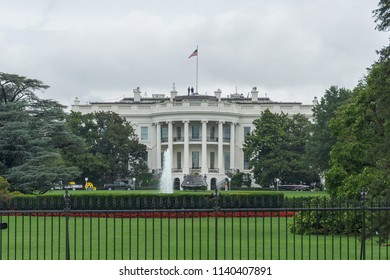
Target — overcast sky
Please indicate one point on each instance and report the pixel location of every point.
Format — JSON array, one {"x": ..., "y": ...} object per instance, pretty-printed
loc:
[{"x": 100, "y": 50}]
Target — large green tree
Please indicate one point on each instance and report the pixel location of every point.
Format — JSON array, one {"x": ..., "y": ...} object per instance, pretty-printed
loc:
[
  {"x": 276, "y": 149},
  {"x": 113, "y": 149},
  {"x": 361, "y": 156},
  {"x": 321, "y": 139},
  {"x": 32, "y": 136}
]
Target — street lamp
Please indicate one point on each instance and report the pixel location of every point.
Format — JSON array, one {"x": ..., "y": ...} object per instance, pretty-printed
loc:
[
  {"x": 86, "y": 182},
  {"x": 277, "y": 183},
  {"x": 134, "y": 182}
]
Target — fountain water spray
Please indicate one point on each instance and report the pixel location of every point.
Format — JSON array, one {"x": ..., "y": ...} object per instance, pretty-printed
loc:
[{"x": 166, "y": 185}]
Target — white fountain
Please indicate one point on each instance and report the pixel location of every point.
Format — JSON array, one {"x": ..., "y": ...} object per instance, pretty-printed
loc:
[{"x": 166, "y": 185}]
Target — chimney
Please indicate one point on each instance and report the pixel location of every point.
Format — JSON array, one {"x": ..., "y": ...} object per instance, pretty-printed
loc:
[
  {"x": 315, "y": 101},
  {"x": 255, "y": 94},
  {"x": 218, "y": 93},
  {"x": 173, "y": 92},
  {"x": 137, "y": 94}
]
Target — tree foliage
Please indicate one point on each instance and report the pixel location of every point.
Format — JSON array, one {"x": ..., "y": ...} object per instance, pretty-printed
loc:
[
  {"x": 321, "y": 139},
  {"x": 4, "y": 194},
  {"x": 14, "y": 88},
  {"x": 361, "y": 156},
  {"x": 382, "y": 14},
  {"x": 276, "y": 149},
  {"x": 32, "y": 136},
  {"x": 113, "y": 150}
]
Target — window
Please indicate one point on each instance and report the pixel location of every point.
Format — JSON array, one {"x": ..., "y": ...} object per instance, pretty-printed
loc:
[
  {"x": 144, "y": 133},
  {"x": 212, "y": 133},
  {"x": 195, "y": 132},
  {"x": 178, "y": 133},
  {"x": 164, "y": 134},
  {"x": 212, "y": 160},
  {"x": 195, "y": 159},
  {"x": 226, "y": 133},
  {"x": 178, "y": 160},
  {"x": 226, "y": 156},
  {"x": 247, "y": 131}
]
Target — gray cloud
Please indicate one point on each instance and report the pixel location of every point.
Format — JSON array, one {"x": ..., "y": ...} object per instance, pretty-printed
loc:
[{"x": 101, "y": 50}]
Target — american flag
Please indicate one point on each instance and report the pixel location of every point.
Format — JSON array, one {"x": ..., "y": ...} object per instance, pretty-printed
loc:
[{"x": 195, "y": 53}]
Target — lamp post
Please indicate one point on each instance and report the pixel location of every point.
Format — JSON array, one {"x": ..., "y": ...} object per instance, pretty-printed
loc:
[
  {"x": 363, "y": 193},
  {"x": 67, "y": 209},
  {"x": 86, "y": 182},
  {"x": 216, "y": 195},
  {"x": 134, "y": 182},
  {"x": 277, "y": 183}
]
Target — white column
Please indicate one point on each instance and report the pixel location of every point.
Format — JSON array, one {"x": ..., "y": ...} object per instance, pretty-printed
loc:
[
  {"x": 158, "y": 145},
  {"x": 204, "y": 148},
  {"x": 170, "y": 138},
  {"x": 186, "y": 156},
  {"x": 232, "y": 147},
  {"x": 221, "y": 168}
]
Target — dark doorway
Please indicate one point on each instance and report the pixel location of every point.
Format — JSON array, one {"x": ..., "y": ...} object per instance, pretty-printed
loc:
[
  {"x": 176, "y": 184},
  {"x": 213, "y": 183}
]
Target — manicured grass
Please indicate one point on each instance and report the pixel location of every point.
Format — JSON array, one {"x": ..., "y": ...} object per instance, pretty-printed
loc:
[
  {"x": 30, "y": 237},
  {"x": 287, "y": 194},
  {"x": 291, "y": 194}
]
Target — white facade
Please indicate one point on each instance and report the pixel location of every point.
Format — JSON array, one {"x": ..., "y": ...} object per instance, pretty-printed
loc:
[{"x": 203, "y": 133}]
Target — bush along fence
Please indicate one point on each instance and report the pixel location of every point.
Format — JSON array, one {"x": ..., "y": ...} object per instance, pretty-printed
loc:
[
  {"x": 129, "y": 201},
  {"x": 284, "y": 229}
]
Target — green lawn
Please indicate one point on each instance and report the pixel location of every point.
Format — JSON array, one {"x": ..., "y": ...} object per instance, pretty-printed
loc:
[
  {"x": 189, "y": 238},
  {"x": 288, "y": 194}
]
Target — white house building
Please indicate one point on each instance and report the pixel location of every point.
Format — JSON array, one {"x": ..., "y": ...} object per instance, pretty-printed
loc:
[{"x": 203, "y": 133}]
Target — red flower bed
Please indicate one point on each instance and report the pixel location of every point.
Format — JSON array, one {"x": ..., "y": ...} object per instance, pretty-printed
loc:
[{"x": 164, "y": 214}]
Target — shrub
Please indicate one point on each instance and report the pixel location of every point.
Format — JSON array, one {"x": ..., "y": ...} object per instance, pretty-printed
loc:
[
  {"x": 327, "y": 216},
  {"x": 317, "y": 220},
  {"x": 4, "y": 194},
  {"x": 236, "y": 181},
  {"x": 139, "y": 201}
]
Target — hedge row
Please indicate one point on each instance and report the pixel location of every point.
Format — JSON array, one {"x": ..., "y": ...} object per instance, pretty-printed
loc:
[{"x": 144, "y": 201}]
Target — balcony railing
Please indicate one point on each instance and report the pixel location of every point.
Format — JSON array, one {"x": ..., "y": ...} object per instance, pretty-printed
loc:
[
  {"x": 212, "y": 139},
  {"x": 195, "y": 170},
  {"x": 177, "y": 170},
  {"x": 213, "y": 170},
  {"x": 195, "y": 139},
  {"x": 178, "y": 139}
]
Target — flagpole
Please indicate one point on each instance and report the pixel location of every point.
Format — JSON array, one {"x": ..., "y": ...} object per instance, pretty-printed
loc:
[{"x": 197, "y": 68}]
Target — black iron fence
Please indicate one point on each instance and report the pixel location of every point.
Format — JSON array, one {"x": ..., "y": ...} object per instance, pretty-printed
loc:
[{"x": 303, "y": 229}]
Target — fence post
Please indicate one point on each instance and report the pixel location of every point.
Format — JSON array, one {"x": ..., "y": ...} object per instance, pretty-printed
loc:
[
  {"x": 363, "y": 194},
  {"x": 66, "y": 209},
  {"x": 216, "y": 196}
]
